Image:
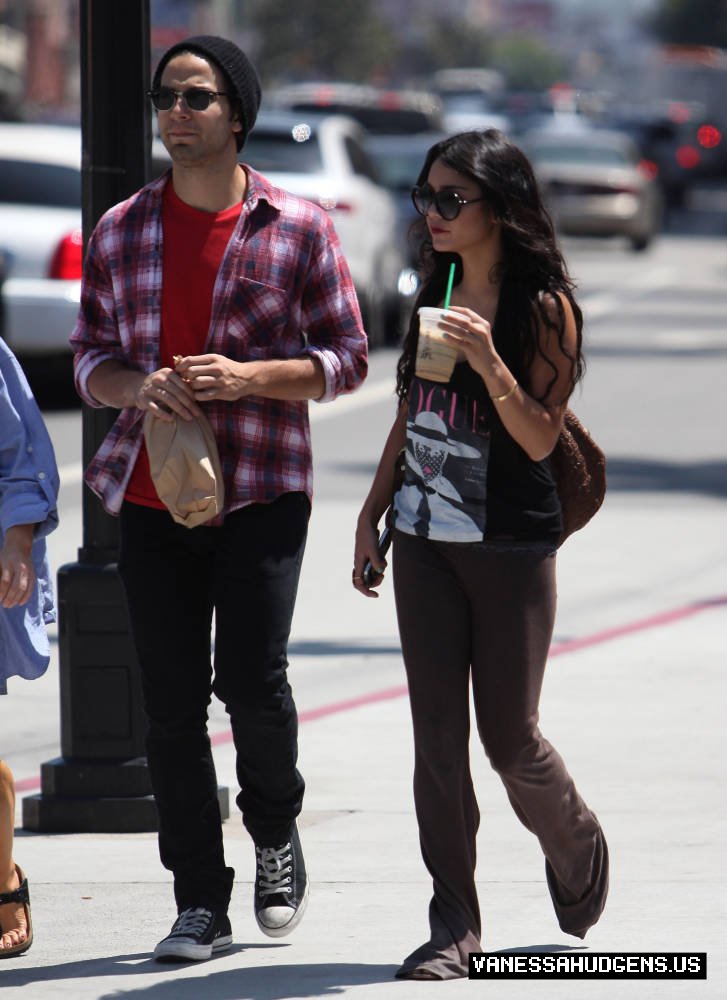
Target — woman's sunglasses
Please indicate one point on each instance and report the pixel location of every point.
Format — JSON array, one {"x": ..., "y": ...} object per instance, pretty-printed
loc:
[
  {"x": 195, "y": 98},
  {"x": 447, "y": 204}
]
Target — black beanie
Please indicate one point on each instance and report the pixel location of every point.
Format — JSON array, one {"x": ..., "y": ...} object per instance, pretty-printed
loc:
[{"x": 234, "y": 63}]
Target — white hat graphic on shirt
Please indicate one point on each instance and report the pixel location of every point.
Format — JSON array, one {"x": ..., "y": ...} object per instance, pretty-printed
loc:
[{"x": 431, "y": 448}]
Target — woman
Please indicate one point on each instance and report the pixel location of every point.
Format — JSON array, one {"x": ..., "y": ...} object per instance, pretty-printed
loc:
[
  {"x": 477, "y": 522},
  {"x": 28, "y": 498}
]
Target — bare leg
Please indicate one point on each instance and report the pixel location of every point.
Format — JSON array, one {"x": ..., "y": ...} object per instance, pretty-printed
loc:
[{"x": 12, "y": 915}]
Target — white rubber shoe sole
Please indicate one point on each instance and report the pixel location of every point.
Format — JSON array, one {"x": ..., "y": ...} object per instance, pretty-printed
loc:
[{"x": 291, "y": 924}]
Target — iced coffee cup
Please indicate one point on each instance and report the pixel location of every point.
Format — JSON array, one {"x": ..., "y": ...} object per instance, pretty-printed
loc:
[{"x": 436, "y": 356}]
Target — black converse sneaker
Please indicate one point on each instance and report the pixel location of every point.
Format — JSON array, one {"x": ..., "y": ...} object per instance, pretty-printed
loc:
[
  {"x": 195, "y": 935},
  {"x": 281, "y": 887}
]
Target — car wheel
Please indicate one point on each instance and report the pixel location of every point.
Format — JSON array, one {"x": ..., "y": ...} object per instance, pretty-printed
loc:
[
  {"x": 676, "y": 195},
  {"x": 641, "y": 242},
  {"x": 374, "y": 320},
  {"x": 396, "y": 319}
]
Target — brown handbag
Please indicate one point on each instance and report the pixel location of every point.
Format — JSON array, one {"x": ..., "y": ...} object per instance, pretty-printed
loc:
[
  {"x": 185, "y": 468},
  {"x": 579, "y": 469}
]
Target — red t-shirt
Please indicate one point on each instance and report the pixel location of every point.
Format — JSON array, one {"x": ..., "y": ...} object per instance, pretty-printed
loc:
[{"x": 194, "y": 243}]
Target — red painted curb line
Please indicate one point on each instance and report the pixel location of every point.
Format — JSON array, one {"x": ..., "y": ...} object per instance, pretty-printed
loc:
[{"x": 387, "y": 694}]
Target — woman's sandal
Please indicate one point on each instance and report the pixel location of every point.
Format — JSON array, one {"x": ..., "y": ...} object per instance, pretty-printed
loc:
[{"x": 19, "y": 895}]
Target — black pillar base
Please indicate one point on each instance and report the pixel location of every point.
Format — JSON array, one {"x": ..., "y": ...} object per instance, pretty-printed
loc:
[
  {"x": 89, "y": 797},
  {"x": 102, "y": 715},
  {"x": 101, "y": 783},
  {"x": 48, "y": 814}
]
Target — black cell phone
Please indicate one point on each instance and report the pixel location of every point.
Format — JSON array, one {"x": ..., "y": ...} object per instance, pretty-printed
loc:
[{"x": 369, "y": 575}]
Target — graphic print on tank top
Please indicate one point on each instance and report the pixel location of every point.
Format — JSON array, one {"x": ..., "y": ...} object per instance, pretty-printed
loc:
[{"x": 445, "y": 481}]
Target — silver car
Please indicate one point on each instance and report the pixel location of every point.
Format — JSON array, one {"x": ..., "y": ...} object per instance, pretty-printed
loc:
[
  {"x": 40, "y": 235},
  {"x": 595, "y": 183}
]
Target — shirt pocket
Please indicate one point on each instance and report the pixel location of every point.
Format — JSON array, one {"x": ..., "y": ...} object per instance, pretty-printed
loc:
[{"x": 261, "y": 322}]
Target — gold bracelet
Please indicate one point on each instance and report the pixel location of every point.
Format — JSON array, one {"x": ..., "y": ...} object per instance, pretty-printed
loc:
[{"x": 505, "y": 395}]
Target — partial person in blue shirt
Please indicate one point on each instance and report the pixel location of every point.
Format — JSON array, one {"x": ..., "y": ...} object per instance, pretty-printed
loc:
[{"x": 28, "y": 513}]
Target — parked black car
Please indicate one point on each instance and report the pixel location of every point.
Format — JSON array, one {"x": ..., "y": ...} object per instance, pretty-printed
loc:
[
  {"x": 666, "y": 144},
  {"x": 379, "y": 110}
]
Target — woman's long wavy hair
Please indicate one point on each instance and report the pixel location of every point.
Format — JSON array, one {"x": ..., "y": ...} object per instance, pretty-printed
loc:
[{"x": 531, "y": 263}]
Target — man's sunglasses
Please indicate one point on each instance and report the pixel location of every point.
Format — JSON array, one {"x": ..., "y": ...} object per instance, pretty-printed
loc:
[
  {"x": 447, "y": 204},
  {"x": 196, "y": 98}
]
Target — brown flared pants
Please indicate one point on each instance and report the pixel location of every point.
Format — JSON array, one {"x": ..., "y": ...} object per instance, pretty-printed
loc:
[{"x": 486, "y": 612}]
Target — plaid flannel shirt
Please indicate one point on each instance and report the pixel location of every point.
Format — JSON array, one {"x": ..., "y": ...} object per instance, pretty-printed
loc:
[{"x": 283, "y": 290}]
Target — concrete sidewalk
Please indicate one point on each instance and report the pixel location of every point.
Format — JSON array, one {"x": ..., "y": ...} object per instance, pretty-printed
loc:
[{"x": 633, "y": 700}]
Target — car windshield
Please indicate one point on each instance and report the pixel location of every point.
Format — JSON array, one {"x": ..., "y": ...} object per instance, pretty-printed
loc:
[
  {"x": 467, "y": 100},
  {"x": 375, "y": 119},
  {"x": 579, "y": 154},
  {"x": 282, "y": 152},
  {"x": 25, "y": 183},
  {"x": 398, "y": 168}
]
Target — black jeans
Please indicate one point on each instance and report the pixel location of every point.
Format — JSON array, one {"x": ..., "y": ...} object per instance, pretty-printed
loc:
[{"x": 246, "y": 571}]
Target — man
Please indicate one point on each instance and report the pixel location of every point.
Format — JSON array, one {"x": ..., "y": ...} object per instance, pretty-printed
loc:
[{"x": 248, "y": 284}]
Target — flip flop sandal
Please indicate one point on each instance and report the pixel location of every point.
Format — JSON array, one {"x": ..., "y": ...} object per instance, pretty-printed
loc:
[{"x": 19, "y": 895}]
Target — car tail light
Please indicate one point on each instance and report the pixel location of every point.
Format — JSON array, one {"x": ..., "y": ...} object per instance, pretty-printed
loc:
[
  {"x": 324, "y": 95},
  {"x": 67, "y": 260},
  {"x": 389, "y": 100},
  {"x": 679, "y": 112},
  {"x": 649, "y": 169},
  {"x": 687, "y": 157},
  {"x": 708, "y": 136}
]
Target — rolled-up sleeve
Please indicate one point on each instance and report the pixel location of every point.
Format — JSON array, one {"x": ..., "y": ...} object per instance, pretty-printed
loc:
[
  {"x": 95, "y": 337},
  {"x": 28, "y": 471},
  {"x": 332, "y": 318}
]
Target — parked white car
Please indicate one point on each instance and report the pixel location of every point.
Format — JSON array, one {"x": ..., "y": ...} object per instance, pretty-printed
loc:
[
  {"x": 40, "y": 235},
  {"x": 323, "y": 158}
]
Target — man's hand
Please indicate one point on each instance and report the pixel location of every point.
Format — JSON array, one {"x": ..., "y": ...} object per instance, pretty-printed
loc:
[
  {"x": 212, "y": 376},
  {"x": 165, "y": 392},
  {"x": 17, "y": 576}
]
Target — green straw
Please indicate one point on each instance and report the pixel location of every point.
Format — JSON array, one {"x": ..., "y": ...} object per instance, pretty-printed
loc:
[{"x": 450, "y": 282}]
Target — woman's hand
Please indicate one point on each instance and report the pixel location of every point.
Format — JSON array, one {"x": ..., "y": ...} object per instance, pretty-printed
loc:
[
  {"x": 17, "y": 576},
  {"x": 473, "y": 335},
  {"x": 366, "y": 547},
  {"x": 366, "y": 544}
]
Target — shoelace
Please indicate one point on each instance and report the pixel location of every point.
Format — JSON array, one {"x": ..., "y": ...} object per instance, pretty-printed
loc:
[
  {"x": 191, "y": 923},
  {"x": 270, "y": 871}
]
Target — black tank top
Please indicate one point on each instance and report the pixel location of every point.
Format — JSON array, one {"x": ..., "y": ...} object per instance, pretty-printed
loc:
[
  {"x": 466, "y": 479},
  {"x": 522, "y": 500}
]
